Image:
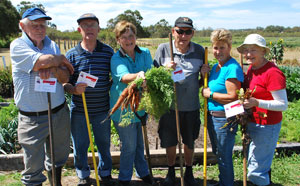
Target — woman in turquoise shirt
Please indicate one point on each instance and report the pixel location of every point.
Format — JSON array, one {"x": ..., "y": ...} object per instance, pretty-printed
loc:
[
  {"x": 127, "y": 64},
  {"x": 224, "y": 80}
]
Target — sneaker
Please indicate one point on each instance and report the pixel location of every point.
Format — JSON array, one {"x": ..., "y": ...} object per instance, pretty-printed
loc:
[
  {"x": 124, "y": 183},
  {"x": 189, "y": 179},
  {"x": 147, "y": 179},
  {"x": 107, "y": 180},
  {"x": 170, "y": 179},
  {"x": 84, "y": 182},
  {"x": 213, "y": 183}
]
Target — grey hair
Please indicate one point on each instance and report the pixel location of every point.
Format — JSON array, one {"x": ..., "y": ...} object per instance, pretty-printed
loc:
[{"x": 25, "y": 21}]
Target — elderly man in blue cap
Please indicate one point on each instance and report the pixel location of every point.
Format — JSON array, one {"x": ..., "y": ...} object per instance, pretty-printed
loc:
[{"x": 35, "y": 55}]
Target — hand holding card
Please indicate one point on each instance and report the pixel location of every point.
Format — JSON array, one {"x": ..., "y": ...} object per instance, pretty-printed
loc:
[{"x": 89, "y": 79}]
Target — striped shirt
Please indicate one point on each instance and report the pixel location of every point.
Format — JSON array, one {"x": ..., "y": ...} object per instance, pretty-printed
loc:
[
  {"x": 187, "y": 90},
  {"x": 24, "y": 55},
  {"x": 96, "y": 63}
]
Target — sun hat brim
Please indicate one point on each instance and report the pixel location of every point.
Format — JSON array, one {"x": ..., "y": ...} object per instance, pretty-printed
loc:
[
  {"x": 254, "y": 39},
  {"x": 242, "y": 47}
]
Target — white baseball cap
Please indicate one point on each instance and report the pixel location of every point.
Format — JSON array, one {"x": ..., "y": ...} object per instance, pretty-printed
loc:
[{"x": 254, "y": 39}]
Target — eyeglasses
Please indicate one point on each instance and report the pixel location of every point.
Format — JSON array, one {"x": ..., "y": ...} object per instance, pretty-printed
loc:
[
  {"x": 130, "y": 37},
  {"x": 86, "y": 26},
  {"x": 35, "y": 25},
  {"x": 186, "y": 32}
]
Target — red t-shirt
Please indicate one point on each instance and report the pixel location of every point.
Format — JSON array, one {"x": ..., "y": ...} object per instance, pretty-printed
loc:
[{"x": 266, "y": 79}]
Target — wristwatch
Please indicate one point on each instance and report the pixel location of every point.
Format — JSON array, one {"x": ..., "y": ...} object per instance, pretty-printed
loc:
[{"x": 211, "y": 94}]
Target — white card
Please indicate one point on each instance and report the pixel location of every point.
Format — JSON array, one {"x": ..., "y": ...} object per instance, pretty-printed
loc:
[
  {"x": 89, "y": 79},
  {"x": 178, "y": 74},
  {"x": 233, "y": 108},
  {"x": 45, "y": 85}
]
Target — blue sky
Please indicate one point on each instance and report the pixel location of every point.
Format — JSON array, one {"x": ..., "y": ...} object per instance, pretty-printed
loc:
[{"x": 229, "y": 14}]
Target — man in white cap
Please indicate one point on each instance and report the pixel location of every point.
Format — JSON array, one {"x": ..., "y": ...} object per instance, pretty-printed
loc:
[{"x": 35, "y": 55}]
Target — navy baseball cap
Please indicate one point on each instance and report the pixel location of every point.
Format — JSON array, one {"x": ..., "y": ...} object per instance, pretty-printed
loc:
[
  {"x": 87, "y": 16},
  {"x": 184, "y": 22},
  {"x": 35, "y": 13}
]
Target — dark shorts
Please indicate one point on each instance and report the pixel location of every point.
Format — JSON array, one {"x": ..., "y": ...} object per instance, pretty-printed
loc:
[{"x": 189, "y": 128}]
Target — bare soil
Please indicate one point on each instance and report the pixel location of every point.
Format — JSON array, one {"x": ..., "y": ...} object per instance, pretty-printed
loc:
[{"x": 154, "y": 141}]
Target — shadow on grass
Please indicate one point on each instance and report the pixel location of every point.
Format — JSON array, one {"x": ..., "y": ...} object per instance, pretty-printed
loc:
[{"x": 159, "y": 182}]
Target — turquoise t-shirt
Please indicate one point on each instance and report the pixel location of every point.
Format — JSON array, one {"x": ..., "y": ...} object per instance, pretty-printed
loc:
[
  {"x": 121, "y": 64},
  {"x": 216, "y": 81}
]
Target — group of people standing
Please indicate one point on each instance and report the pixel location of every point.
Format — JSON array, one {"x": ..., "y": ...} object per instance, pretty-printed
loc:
[{"x": 34, "y": 54}]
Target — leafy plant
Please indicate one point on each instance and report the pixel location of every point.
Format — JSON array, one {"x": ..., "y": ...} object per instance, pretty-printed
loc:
[
  {"x": 276, "y": 51},
  {"x": 290, "y": 124},
  {"x": 158, "y": 97},
  {"x": 114, "y": 135},
  {"x": 6, "y": 83},
  {"x": 8, "y": 129},
  {"x": 292, "y": 74}
]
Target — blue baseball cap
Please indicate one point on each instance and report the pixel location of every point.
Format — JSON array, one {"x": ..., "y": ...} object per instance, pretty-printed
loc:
[{"x": 35, "y": 13}]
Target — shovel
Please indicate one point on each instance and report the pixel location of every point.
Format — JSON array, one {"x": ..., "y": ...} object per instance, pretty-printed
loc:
[
  {"x": 90, "y": 137},
  {"x": 146, "y": 142},
  {"x": 51, "y": 139},
  {"x": 205, "y": 124},
  {"x": 177, "y": 119}
]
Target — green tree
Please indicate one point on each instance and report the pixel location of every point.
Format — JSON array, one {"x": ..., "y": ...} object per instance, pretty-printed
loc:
[
  {"x": 24, "y": 5},
  {"x": 9, "y": 19},
  {"x": 131, "y": 16},
  {"x": 273, "y": 28},
  {"x": 161, "y": 29}
]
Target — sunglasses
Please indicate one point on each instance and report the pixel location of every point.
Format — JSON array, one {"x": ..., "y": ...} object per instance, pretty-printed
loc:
[{"x": 186, "y": 32}]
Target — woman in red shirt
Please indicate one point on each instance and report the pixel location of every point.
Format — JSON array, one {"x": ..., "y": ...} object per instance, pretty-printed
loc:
[{"x": 267, "y": 103}]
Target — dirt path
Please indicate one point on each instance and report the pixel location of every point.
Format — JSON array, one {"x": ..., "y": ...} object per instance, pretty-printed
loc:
[{"x": 4, "y": 52}]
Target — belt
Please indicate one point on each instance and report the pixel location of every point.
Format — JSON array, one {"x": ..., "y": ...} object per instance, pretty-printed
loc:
[
  {"x": 55, "y": 110},
  {"x": 219, "y": 114}
]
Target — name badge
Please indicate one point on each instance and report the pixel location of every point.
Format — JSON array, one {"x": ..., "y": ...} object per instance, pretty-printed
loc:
[
  {"x": 45, "y": 85},
  {"x": 178, "y": 74},
  {"x": 233, "y": 108},
  {"x": 87, "y": 78}
]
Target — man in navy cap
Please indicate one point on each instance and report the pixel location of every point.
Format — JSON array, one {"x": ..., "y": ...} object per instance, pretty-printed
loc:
[
  {"x": 188, "y": 58},
  {"x": 93, "y": 57},
  {"x": 35, "y": 55}
]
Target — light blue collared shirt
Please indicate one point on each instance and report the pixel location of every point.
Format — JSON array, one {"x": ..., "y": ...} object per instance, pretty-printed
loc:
[
  {"x": 23, "y": 56},
  {"x": 121, "y": 64}
]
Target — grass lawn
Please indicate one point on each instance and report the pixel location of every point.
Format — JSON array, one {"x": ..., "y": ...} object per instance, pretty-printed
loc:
[{"x": 285, "y": 172}]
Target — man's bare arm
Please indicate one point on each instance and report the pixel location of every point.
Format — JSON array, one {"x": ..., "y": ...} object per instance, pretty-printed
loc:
[{"x": 49, "y": 60}]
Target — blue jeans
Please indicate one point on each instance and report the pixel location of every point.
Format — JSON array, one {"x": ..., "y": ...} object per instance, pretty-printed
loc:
[
  {"x": 132, "y": 151},
  {"x": 222, "y": 141},
  {"x": 81, "y": 143},
  {"x": 261, "y": 151}
]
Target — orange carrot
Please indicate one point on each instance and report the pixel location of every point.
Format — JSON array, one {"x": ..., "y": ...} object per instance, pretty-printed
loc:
[
  {"x": 128, "y": 100},
  {"x": 123, "y": 104},
  {"x": 120, "y": 101},
  {"x": 137, "y": 101},
  {"x": 132, "y": 102},
  {"x": 131, "y": 89}
]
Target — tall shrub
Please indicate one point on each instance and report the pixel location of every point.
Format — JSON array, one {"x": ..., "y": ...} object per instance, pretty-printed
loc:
[{"x": 6, "y": 83}]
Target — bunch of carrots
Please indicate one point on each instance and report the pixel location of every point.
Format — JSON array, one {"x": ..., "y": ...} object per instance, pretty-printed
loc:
[
  {"x": 155, "y": 97},
  {"x": 129, "y": 97}
]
